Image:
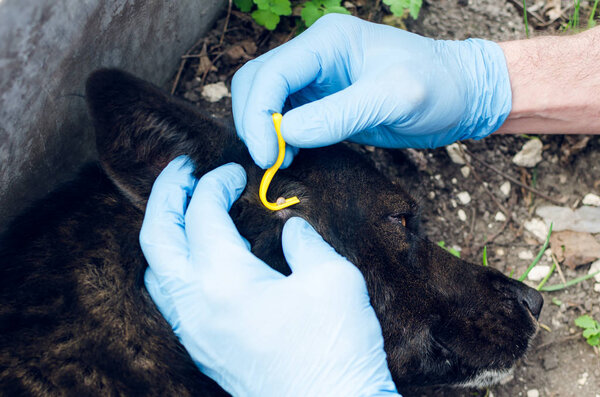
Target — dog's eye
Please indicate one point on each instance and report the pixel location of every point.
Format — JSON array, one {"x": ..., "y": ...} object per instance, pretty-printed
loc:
[{"x": 399, "y": 219}]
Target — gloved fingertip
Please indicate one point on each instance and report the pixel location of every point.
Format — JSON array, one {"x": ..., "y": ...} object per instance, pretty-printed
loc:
[{"x": 290, "y": 153}]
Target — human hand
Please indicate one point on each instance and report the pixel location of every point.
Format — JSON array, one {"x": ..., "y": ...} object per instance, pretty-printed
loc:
[
  {"x": 373, "y": 84},
  {"x": 248, "y": 327}
]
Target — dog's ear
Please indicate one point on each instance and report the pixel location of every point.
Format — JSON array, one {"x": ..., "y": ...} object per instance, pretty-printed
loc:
[{"x": 139, "y": 129}]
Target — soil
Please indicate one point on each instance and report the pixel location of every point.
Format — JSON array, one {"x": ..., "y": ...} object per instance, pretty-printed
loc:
[{"x": 560, "y": 363}]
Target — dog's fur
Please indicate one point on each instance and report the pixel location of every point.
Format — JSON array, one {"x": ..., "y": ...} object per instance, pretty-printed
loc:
[{"x": 75, "y": 317}]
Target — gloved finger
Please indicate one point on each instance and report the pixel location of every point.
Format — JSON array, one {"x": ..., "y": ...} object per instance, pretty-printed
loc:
[
  {"x": 240, "y": 92},
  {"x": 303, "y": 247},
  {"x": 162, "y": 237},
  {"x": 214, "y": 240},
  {"x": 163, "y": 300}
]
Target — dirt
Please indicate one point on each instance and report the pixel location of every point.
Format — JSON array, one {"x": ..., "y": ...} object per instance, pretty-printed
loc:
[{"x": 561, "y": 363}]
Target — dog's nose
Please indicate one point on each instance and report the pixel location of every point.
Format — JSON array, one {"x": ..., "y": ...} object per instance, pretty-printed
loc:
[{"x": 530, "y": 298}]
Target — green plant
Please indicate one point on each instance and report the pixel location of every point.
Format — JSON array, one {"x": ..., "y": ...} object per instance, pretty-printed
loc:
[
  {"x": 397, "y": 7},
  {"x": 591, "y": 21},
  {"x": 268, "y": 13},
  {"x": 485, "y": 260},
  {"x": 451, "y": 250},
  {"x": 591, "y": 329},
  {"x": 525, "y": 18}
]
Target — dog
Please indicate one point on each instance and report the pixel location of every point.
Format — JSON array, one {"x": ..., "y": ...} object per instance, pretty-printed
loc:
[{"x": 76, "y": 319}]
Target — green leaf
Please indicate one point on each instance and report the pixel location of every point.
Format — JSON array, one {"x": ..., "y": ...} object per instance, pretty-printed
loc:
[
  {"x": 590, "y": 332},
  {"x": 330, "y": 3},
  {"x": 556, "y": 301},
  {"x": 266, "y": 18},
  {"x": 310, "y": 13},
  {"x": 585, "y": 322},
  {"x": 263, "y": 4},
  {"x": 397, "y": 7},
  {"x": 281, "y": 7},
  {"x": 414, "y": 8},
  {"x": 337, "y": 10},
  {"x": 594, "y": 340},
  {"x": 243, "y": 5}
]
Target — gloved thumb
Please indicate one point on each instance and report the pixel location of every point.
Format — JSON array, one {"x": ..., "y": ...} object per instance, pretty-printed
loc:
[
  {"x": 303, "y": 247},
  {"x": 331, "y": 119}
]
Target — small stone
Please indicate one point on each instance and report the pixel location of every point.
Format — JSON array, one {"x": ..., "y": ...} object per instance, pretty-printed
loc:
[
  {"x": 530, "y": 154},
  {"x": 454, "y": 181},
  {"x": 533, "y": 393},
  {"x": 500, "y": 252},
  {"x": 431, "y": 195},
  {"x": 594, "y": 268},
  {"x": 597, "y": 287},
  {"x": 583, "y": 379},
  {"x": 550, "y": 362},
  {"x": 562, "y": 179},
  {"x": 462, "y": 215},
  {"x": 465, "y": 171},
  {"x": 538, "y": 272},
  {"x": 584, "y": 219},
  {"x": 464, "y": 198},
  {"x": 455, "y": 153},
  {"x": 591, "y": 199},
  {"x": 525, "y": 255},
  {"x": 537, "y": 227},
  {"x": 453, "y": 203},
  {"x": 499, "y": 217},
  {"x": 505, "y": 189},
  {"x": 215, "y": 92}
]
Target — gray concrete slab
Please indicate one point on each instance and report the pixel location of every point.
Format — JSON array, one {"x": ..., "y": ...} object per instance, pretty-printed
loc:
[{"x": 47, "y": 48}]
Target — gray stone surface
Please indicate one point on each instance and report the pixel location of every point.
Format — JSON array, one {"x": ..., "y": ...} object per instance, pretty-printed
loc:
[{"x": 47, "y": 48}]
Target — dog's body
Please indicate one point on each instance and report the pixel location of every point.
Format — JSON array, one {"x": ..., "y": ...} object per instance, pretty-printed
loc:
[{"x": 75, "y": 317}]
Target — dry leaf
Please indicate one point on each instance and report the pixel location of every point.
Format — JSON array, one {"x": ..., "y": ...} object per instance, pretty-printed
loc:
[{"x": 574, "y": 248}]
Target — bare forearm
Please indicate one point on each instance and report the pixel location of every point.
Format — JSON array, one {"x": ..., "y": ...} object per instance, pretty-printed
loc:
[{"x": 555, "y": 84}]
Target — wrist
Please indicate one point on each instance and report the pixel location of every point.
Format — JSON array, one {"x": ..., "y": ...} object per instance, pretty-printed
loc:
[{"x": 554, "y": 84}]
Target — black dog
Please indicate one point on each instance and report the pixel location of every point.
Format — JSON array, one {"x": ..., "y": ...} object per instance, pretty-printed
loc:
[{"x": 75, "y": 317}]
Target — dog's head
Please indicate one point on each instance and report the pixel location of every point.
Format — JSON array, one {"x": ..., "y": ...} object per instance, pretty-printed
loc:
[{"x": 444, "y": 321}]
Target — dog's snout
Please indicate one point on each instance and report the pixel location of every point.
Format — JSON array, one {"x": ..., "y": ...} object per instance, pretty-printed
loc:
[{"x": 530, "y": 298}]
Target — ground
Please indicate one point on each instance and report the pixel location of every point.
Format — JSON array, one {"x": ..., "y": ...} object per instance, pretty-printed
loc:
[{"x": 561, "y": 363}]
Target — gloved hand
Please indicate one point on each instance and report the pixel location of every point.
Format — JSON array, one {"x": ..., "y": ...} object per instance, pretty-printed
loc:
[
  {"x": 372, "y": 84},
  {"x": 251, "y": 329}
]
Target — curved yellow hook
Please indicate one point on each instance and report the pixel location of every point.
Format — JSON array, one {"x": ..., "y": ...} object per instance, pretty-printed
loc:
[{"x": 270, "y": 173}]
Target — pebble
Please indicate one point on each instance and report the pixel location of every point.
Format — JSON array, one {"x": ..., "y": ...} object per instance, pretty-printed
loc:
[
  {"x": 584, "y": 219},
  {"x": 499, "y": 217},
  {"x": 526, "y": 255},
  {"x": 465, "y": 171},
  {"x": 453, "y": 203},
  {"x": 597, "y": 287},
  {"x": 537, "y": 227},
  {"x": 533, "y": 393},
  {"x": 431, "y": 195},
  {"x": 464, "y": 198},
  {"x": 583, "y": 379},
  {"x": 500, "y": 252},
  {"x": 454, "y": 181},
  {"x": 455, "y": 153},
  {"x": 538, "y": 272},
  {"x": 215, "y": 92},
  {"x": 594, "y": 268},
  {"x": 530, "y": 154},
  {"x": 505, "y": 189},
  {"x": 462, "y": 215},
  {"x": 591, "y": 199}
]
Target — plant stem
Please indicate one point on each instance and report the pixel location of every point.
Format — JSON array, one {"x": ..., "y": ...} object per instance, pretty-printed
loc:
[
  {"x": 539, "y": 255},
  {"x": 558, "y": 287}
]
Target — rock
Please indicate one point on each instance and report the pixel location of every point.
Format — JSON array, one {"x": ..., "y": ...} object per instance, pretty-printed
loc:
[
  {"x": 550, "y": 362},
  {"x": 593, "y": 269},
  {"x": 465, "y": 171},
  {"x": 597, "y": 287},
  {"x": 591, "y": 199},
  {"x": 537, "y": 227},
  {"x": 462, "y": 215},
  {"x": 499, "y": 217},
  {"x": 525, "y": 255},
  {"x": 215, "y": 92},
  {"x": 585, "y": 219},
  {"x": 538, "y": 272},
  {"x": 530, "y": 154},
  {"x": 574, "y": 248},
  {"x": 583, "y": 379},
  {"x": 431, "y": 195},
  {"x": 533, "y": 393},
  {"x": 464, "y": 198},
  {"x": 455, "y": 153},
  {"x": 505, "y": 189},
  {"x": 454, "y": 181}
]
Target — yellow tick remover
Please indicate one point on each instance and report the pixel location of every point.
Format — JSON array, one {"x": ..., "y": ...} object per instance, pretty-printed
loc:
[{"x": 270, "y": 173}]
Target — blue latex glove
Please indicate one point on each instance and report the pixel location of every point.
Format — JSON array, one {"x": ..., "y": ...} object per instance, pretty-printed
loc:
[
  {"x": 251, "y": 329},
  {"x": 372, "y": 84}
]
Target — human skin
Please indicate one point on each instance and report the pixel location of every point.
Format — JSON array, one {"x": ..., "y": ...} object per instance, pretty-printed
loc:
[{"x": 555, "y": 84}]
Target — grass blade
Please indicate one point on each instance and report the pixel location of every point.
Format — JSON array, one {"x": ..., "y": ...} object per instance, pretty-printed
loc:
[
  {"x": 545, "y": 279},
  {"x": 485, "y": 261},
  {"x": 558, "y": 287},
  {"x": 591, "y": 21},
  {"x": 539, "y": 255},
  {"x": 525, "y": 18}
]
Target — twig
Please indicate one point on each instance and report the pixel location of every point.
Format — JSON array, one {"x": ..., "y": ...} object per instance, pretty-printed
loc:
[
  {"x": 178, "y": 76},
  {"x": 560, "y": 273},
  {"x": 512, "y": 179},
  {"x": 226, "y": 23}
]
